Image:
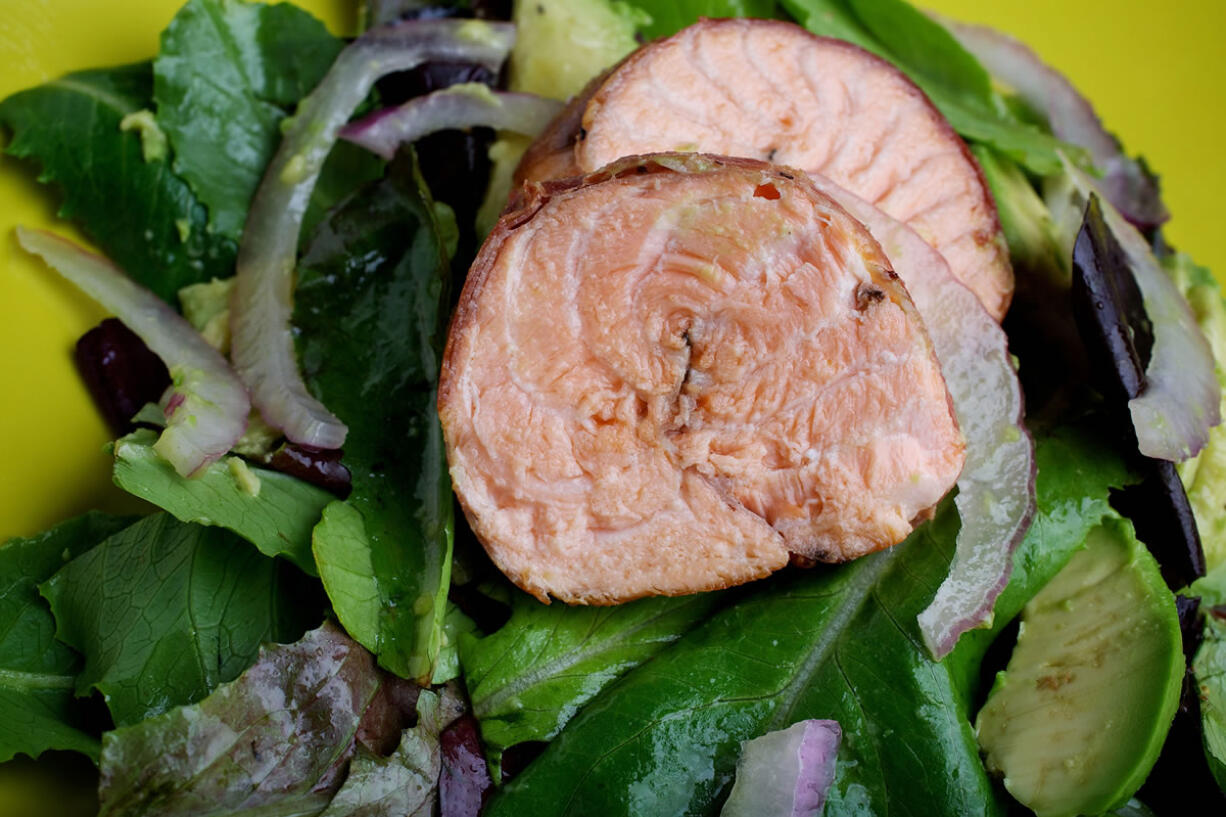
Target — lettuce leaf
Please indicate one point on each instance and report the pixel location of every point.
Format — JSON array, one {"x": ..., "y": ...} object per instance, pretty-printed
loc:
[
  {"x": 837, "y": 644},
  {"x": 164, "y": 611},
  {"x": 275, "y": 741},
  {"x": 670, "y": 16},
  {"x": 953, "y": 79},
  {"x": 1210, "y": 670},
  {"x": 531, "y": 676},
  {"x": 278, "y": 519},
  {"x": 370, "y": 309},
  {"x": 404, "y": 784},
  {"x": 38, "y": 673},
  {"x": 226, "y": 76},
  {"x": 139, "y": 212}
]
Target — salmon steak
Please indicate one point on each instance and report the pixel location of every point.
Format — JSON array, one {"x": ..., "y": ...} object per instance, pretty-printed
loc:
[
  {"x": 682, "y": 371},
  {"x": 770, "y": 90}
]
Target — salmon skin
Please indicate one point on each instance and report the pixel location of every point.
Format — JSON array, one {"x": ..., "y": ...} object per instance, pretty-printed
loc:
[
  {"x": 681, "y": 371},
  {"x": 770, "y": 90}
]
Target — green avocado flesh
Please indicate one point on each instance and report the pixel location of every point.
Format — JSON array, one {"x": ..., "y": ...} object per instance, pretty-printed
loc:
[{"x": 1078, "y": 718}]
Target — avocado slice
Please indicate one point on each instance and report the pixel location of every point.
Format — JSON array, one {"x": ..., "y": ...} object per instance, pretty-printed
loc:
[
  {"x": 561, "y": 44},
  {"x": 1077, "y": 719}
]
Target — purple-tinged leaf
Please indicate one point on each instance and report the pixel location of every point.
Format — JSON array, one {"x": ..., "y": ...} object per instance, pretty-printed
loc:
[
  {"x": 405, "y": 783},
  {"x": 465, "y": 783},
  {"x": 275, "y": 741},
  {"x": 1181, "y": 398}
]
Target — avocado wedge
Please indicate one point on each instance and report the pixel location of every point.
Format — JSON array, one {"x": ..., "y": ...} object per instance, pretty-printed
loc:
[{"x": 1078, "y": 717}]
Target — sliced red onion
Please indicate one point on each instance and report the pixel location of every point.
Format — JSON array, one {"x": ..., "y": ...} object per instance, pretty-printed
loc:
[
  {"x": 468, "y": 105},
  {"x": 263, "y": 346},
  {"x": 1181, "y": 398},
  {"x": 1125, "y": 183},
  {"x": 206, "y": 406},
  {"x": 996, "y": 488},
  {"x": 785, "y": 773}
]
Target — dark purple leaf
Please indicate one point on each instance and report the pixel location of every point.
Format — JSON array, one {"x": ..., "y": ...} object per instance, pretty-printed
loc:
[
  {"x": 122, "y": 375},
  {"x": 1118, "y": 336},
  {"x": 1159, "y": 510},
  {"x": 406, "y": 782},
  {"x": 392, "y": 710},
  {"x": 465, "y": 783},
  {"x": 320, "y": 467}
]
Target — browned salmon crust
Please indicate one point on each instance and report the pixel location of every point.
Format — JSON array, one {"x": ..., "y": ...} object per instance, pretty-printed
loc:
[
  {"x": 667, "y": 376},
  {"x": 770, "y": 90}
]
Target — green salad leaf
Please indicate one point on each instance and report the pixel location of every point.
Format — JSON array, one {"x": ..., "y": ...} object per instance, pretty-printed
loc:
[
  {"x": 531, "y": 676},
  {"x": 1204, "y": 476},
  {"x": 840, "y": 644},
  {"x": 370, "y": 307},
  {"x": 275, "y": 741},
  {"x": 164, "y": 611},
  {"x": 1210, "y": 671},
  {"x": 456, "y": 627},
  {"x": 225, "y": 76},
  {"x": 670, "y": 16},
  {"x": 38, "y": 673},
  {"x": 951, "y": 77},
  {"x": 139, "y": 212},
  {"x": 929, "y": 51},
  {"x": 275, "y": 512},
  {"x": 835, "y": 644}
]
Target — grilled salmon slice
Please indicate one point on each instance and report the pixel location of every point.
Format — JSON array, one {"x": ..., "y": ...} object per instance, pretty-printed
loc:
[
  {"x": 675, "y": 373},
  {"x": 770, "y": 90}
]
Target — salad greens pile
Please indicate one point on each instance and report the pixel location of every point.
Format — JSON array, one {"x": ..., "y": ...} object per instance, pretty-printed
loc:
[{"x": 262, "y": 644}]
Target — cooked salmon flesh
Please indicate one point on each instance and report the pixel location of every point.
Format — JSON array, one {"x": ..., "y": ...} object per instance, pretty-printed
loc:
[
  {"x": 771, "y": 90},
  {"x": 679, "y": 372}
]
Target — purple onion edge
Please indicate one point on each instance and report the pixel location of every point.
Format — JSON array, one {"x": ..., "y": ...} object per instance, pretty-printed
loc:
[{"x": 819, "y": 748}]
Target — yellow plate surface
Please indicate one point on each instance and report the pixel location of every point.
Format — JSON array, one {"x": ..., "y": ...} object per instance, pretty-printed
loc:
[{"x": 1154, "y": 73}]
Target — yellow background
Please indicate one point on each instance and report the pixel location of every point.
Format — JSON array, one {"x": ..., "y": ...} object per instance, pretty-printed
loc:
[{"x": 1154, "y": 71}]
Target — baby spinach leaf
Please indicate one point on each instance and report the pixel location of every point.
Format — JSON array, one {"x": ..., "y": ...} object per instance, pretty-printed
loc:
[
  {"x": 38, "y": 673},
  {"x": 369, "y": 304},
  {"x": 834, "y": 18},
  {"x": 531, "y": 676},
  {"x": 277, "y": 520},
  {"x": 164, "y": 611},
  {"x": 226, "y": 75},
  {"x": 142, "y": 215},
  {"x": 837, "y": 644},
  {"x": 670, "y": 16},
  {"x": 951, "y": 77},
  {"x": 275, "y": 741},
  {"x": 347, "y": 168},
  {"x": 925, "y": 47}
]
